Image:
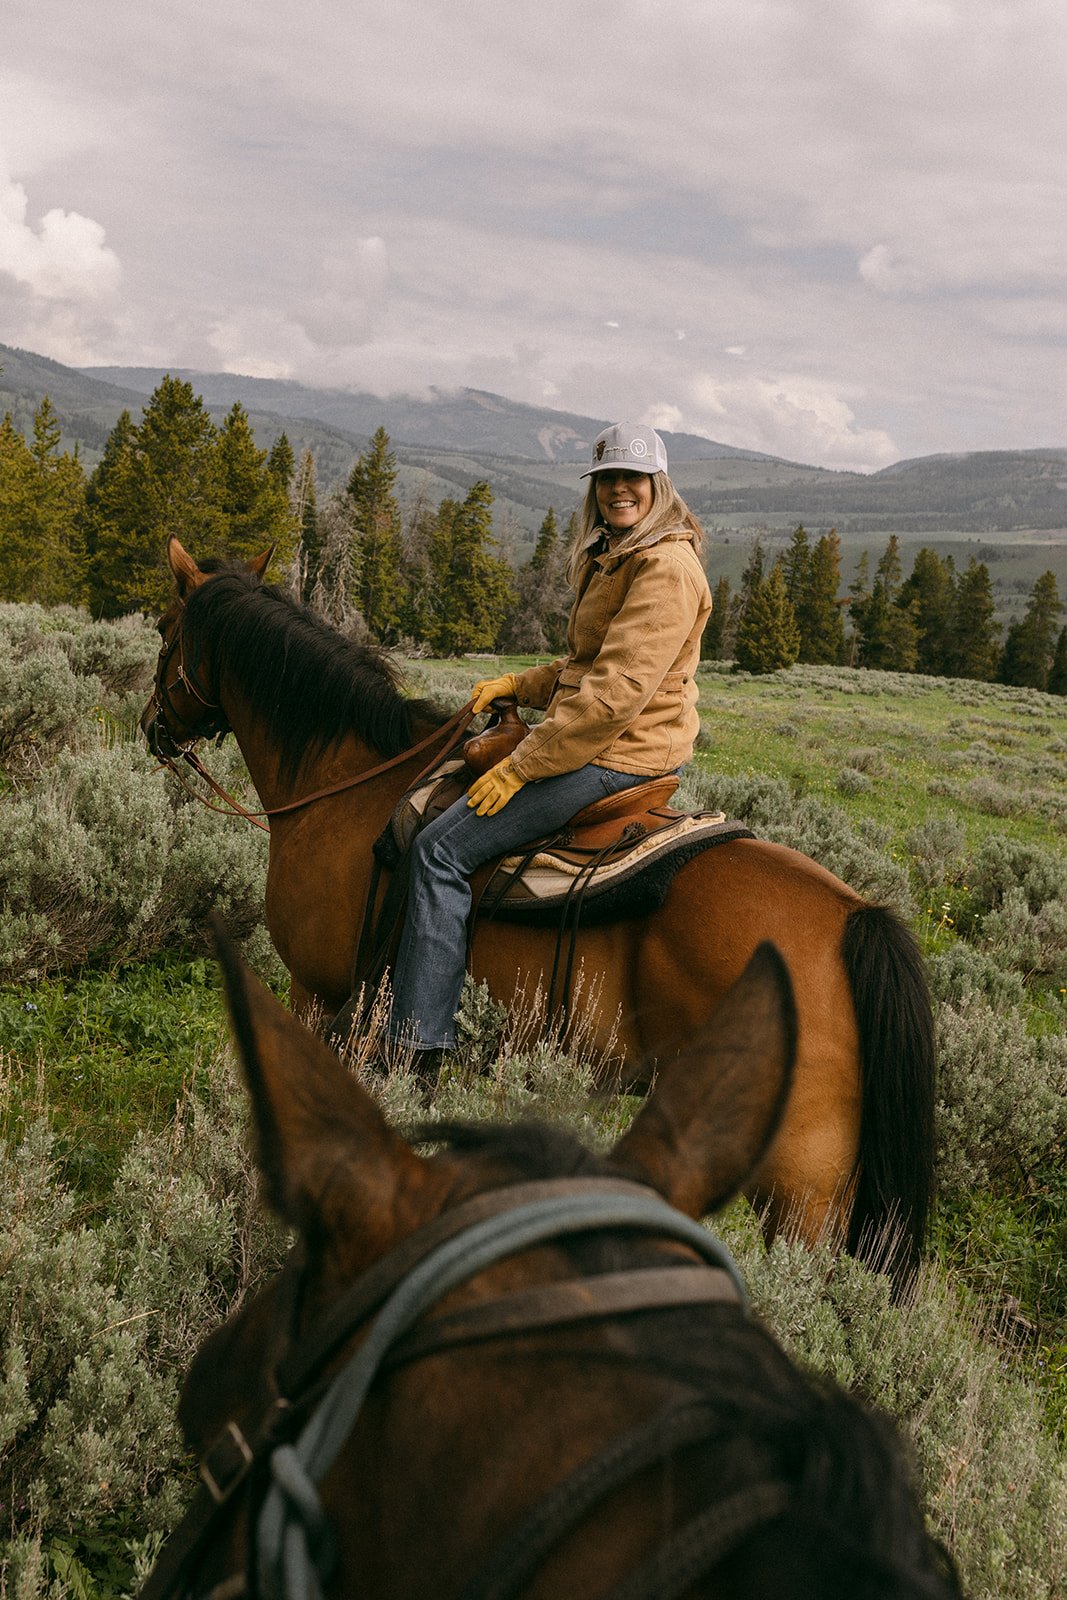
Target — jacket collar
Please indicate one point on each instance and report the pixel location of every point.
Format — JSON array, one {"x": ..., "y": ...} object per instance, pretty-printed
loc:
[{"x": 606, "y": 559}]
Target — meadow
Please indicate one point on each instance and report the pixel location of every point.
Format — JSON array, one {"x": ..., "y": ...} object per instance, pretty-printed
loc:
[{"x": 130, "y": 1220}]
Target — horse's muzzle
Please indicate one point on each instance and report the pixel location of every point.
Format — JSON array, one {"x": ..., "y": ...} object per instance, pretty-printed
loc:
[{"x": 161, "y": 742}]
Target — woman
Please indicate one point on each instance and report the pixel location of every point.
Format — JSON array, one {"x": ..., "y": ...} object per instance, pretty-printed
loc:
[{"x": 620, "y": 708}]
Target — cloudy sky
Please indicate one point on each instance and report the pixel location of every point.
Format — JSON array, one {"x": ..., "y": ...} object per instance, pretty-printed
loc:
[{"x": 835, "y": 230}]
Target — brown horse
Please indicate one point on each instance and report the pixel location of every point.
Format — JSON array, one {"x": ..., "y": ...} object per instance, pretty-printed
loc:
[
  {"x": 310, "y": 711},
  {"x": 509, "y": 1369}
]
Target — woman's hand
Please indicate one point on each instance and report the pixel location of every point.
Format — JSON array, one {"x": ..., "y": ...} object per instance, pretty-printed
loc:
[
  {"x": 487, "y": 689},
  {"x": 491, "y": 792}
]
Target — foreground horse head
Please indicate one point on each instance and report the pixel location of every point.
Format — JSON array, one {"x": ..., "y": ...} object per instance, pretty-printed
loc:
[{"x": 504, "y": 1367}]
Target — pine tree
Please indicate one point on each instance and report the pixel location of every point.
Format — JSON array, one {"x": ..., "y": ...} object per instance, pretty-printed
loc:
[
  {"x": 175, "y": 473},
  {"x": 303, "y": 503},
  {"x": 158, "y": 478},
  {"x": 796, "y": 567},
  {"x": 42, "y": 492},
  {"x": 376, "y": 528},
  {"x": 717, "y": 641},
  {"x": 254, "y": 500},
  {"x": 973, "y": 648},
  {"x": 417, "y": 584},
  {"x": 112, "y": 529},
  {"x": 1057, "y": 678},
  {"x": 751, "y": 577},
  {"x": 860, "y": 590},
  {"x": 537, "y": 621},
  {"x": 1031, "y": 644},
  {"x": 16, "y": 497},
  {"x": 472, "y": 587},
  {"x": 767, "y": 637},
  {"x": 178, "y": 470},
  {"x": 822, "y": 629},
  {"x": 546, "y": 548},
  {"x": 886, "y": 632},
  {"x": 930, "y": 594},
  {"x": 281, "y": 461}
]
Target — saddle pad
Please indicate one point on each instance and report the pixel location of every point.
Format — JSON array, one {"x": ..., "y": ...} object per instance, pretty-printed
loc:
[
  {"x": 541, "y": 883},
  {"x": 632, "y": 881}
]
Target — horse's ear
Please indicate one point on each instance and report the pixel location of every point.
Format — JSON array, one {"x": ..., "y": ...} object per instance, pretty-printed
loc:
[
  {"x": 716, "y": 1107},
  {"x": 187, "y": 574},
  {"x": 260, "y": 563},
  {"x": 330, "y": 1163}
]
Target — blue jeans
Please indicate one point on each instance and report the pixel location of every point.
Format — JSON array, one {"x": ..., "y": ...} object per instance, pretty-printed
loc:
[{"x": 428, "y": 974}]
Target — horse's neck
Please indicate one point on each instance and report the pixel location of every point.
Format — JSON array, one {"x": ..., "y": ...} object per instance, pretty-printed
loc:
[
  {"x": 334, "y": 767},
  {"x": 275, "y": 786}
]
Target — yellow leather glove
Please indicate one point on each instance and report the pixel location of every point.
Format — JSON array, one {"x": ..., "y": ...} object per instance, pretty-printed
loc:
[
  {"x": 491, "y": 792},
  {"x": 487, "y": 689}
]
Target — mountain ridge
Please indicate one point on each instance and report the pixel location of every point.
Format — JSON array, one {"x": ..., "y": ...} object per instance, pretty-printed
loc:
[
  {"x": 441, "y": 419},
  {"x": 533, "y": 456}
]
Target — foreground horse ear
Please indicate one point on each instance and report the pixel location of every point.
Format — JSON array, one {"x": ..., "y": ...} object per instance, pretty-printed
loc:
[
  {"x": 716, "y": 1107},
  {"x": 330, "y": 1163}
]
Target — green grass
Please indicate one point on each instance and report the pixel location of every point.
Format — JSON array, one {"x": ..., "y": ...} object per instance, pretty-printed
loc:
[
  {"x": 1010, "y": 1251},
  {"x": 922, "y": 743},
  {"x": 104, "y": 1055}
]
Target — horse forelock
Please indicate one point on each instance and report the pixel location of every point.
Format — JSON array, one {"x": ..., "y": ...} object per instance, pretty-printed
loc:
[{"x": 309, "y": 684}]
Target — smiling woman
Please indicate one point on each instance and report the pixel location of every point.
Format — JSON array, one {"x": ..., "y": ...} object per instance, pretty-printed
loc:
[{"x": 620, "y": 708}]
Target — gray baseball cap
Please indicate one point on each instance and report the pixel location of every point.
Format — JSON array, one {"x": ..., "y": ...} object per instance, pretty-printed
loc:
[{"x": 630, "y": 446}]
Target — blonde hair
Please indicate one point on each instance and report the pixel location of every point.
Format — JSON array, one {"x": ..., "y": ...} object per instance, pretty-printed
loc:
[{"x": 668, "y": 510}]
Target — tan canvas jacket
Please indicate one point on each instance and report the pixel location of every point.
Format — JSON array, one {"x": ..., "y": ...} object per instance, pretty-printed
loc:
[{"x": 625, "y": 694}]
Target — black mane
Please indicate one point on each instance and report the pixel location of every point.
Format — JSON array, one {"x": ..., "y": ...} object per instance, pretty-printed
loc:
[
  {"x": 845, "y": 1464},
  {"x": 309, "y": 684}
]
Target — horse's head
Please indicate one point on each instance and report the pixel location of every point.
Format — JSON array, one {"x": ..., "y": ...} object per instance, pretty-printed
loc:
[
  {"x": 530, "y": 1429},
  {"x": 184, "y": 704}
]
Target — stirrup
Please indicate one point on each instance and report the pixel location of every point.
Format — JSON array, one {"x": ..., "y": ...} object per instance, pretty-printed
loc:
[{"x": 339, "y": 1033}]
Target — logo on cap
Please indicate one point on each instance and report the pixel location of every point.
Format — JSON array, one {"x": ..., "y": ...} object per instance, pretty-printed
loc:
[
  {"x": 638, "y": 447},
  {"x": 600, "y": 449}
]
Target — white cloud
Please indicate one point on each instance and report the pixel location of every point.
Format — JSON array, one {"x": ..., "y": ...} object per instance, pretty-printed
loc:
[
  {"x": 259, "y": 343},
  {"x": 792, "y": 417},
  {"x": 63, "y": 258},
  {"x": 665, "y": 417}
]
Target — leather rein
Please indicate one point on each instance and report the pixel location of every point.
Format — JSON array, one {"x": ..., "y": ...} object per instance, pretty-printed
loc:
[
  {"x": 275, "y": 1464},
  {"x": 169, "y": 749}
]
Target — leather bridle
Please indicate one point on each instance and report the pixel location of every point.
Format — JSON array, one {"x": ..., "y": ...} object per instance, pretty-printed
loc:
[
  {"x": 273, "y": 1466},
  {"x": 161, "y": 737}
]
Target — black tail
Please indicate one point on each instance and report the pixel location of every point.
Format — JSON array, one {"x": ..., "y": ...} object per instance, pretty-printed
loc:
[{"x": 898, "y": 1053}]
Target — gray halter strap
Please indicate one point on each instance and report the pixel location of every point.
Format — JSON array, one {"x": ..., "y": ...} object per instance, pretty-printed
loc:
[{"x": 292, "y": 1540}]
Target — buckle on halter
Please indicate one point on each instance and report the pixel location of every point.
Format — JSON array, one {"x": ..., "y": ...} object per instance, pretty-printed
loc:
[{"x": 225, "y": 1463}]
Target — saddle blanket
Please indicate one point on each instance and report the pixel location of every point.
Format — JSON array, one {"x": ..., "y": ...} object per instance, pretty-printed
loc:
[{"x": 628, "y": 877}]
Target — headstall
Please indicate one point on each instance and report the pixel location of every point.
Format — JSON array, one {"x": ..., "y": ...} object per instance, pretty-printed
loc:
[{"x": 296, "y": 1440}]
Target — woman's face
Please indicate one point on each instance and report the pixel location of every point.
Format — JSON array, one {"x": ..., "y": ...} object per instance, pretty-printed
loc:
[{"x": 623, "y": 498}]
